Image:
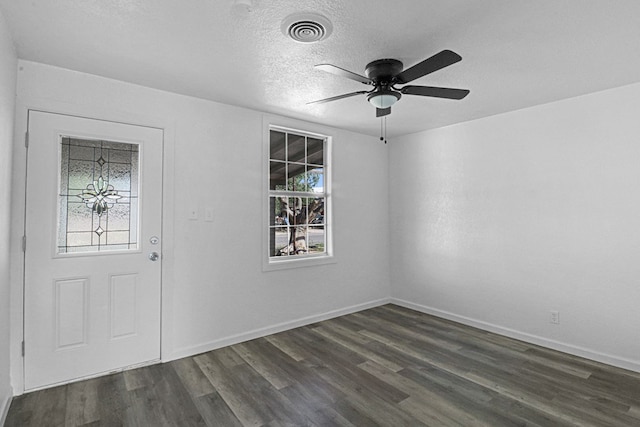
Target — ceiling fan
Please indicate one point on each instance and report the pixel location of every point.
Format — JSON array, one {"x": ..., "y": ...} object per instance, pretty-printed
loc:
[{"x": 385, "y": 74}]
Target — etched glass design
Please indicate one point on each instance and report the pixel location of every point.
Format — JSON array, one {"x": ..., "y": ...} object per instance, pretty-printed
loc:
[{"x": 98, "y": 196}]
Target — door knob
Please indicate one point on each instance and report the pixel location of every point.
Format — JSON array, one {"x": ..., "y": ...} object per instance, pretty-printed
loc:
[{"x": 153, "y": 256}]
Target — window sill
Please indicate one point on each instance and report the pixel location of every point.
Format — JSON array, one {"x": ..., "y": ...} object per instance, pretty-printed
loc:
[{"x": 270, "y": 265}]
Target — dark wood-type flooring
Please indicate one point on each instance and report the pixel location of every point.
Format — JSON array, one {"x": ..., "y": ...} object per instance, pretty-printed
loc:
[{"x": 386, "y": 366}]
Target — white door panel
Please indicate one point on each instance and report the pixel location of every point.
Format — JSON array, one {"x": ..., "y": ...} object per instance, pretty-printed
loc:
[{"x": 94, "y": 200}]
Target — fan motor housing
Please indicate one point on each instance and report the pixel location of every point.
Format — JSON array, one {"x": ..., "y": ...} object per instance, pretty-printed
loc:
[{"x": 383, "y": 70}]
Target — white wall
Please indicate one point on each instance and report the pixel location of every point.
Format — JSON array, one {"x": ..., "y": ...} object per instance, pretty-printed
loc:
[
  {"x": 8, "y": 67},
  {"x": 493, "y": 222},
  {"x": 498, "y": 221},
  {"x": 214, "y": 289}
]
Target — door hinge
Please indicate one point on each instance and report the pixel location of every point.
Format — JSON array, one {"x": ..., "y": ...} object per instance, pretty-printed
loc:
[
  {"x": 22, "y": 348},
  {"x": 26, "y": 139},
  {"x": 24, "y": 243}
]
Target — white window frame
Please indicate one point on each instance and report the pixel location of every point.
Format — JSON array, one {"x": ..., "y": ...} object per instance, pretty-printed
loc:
[{"x": 296, "y": 261}]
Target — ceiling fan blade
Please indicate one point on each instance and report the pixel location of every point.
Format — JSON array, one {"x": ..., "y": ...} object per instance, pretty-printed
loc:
[
  {"x": 429, "y": 65},
  {"x": 335, "y": 98},
  {"x": 343, "y": 73},
  {"x": 437, "y": 92},
  {"x": 381, "y": 112}
]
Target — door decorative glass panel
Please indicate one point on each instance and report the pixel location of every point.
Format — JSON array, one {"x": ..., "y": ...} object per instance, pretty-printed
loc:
[{"x": 98, "y": 198}]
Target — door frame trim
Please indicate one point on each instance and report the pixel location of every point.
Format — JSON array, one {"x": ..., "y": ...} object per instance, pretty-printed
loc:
[{"x": 18, "y": 212}]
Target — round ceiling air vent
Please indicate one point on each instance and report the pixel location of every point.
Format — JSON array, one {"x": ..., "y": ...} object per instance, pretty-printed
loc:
[{"x": 306, "y": 27}]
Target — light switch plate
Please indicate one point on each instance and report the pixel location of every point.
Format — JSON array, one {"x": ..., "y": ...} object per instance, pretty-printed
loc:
[
  {"x": 208, "y": 214},
  {"x": 193, "y": 214}
]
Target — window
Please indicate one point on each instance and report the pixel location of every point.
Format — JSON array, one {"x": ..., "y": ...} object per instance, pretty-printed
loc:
[
  {"x": 298, "y": 196},
  {"x": 98, "y": 196}
]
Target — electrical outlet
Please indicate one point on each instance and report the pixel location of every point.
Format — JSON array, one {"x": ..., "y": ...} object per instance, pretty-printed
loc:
[{"x": 555, "y": 317}]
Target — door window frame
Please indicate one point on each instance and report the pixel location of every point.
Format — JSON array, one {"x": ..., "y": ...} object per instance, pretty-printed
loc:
[{"x": 78, "y": 135}]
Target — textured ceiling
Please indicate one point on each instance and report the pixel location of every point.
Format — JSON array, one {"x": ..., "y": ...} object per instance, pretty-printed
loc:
[{"x": 516, "y": 53}]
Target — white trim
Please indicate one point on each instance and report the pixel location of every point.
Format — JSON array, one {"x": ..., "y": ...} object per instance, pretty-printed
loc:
[
  {"x": 308, "y": 129},
  {"x": 4, "y": 407},
  {"x": 632, "y": 365},
  {"x": 298, "y": 262},
  {"x": 273, "y": 329},
  {"x": 96, "y": 139}
]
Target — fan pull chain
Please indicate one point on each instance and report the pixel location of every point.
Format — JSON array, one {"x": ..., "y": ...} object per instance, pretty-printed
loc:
[{"x": 383, "y": 129}]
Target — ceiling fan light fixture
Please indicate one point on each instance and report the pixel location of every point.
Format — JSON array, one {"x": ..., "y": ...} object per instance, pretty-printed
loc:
[
  {"x": 383, "y": 98},
  {"x": 383, "y": 74}
]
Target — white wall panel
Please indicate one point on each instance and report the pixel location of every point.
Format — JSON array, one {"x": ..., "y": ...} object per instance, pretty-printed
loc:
[
  {"x": 214, "y": 289},
  {"x": 503, "y": 220}
]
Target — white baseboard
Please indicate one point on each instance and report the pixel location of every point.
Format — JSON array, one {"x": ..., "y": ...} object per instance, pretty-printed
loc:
[
  {"x": 632, "y": 365},
  {"x": 268, "y": 330},
  {"x": 4, "y": 407}
]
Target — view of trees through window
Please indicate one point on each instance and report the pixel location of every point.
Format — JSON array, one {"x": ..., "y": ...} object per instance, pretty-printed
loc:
[{"x": 297, "y": 194}]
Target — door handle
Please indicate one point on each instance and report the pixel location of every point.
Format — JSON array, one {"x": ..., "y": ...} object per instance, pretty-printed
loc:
[{"x": 154, "y": 256}]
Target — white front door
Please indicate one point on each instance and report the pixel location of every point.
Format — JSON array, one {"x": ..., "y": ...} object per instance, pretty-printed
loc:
[{"x": 93, "y": 224}]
